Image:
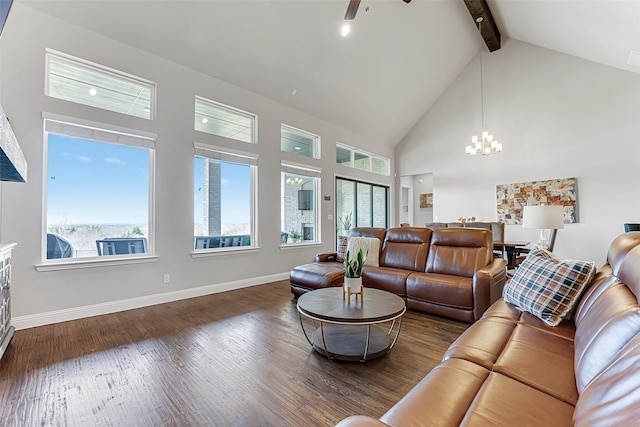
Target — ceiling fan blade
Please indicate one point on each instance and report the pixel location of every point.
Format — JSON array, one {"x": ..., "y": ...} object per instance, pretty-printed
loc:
[
  {"x": 407, "y": 1},
  {"x": 351, "y": 10}
]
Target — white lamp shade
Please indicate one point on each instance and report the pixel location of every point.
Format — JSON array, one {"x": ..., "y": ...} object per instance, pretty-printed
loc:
[{"x": 543, "y": 217}]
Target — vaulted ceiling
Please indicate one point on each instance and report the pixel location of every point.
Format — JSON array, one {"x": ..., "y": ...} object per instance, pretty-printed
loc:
[{"x": 380, "y": 79}]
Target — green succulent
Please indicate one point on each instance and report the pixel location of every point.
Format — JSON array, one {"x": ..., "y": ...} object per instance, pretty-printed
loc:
[{"x": 354, "y": 266}]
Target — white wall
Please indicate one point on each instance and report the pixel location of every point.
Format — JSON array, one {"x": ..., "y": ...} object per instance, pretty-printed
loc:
[
  {"x": 557, "y": 116},
  {"x": 63, "y": 294}
]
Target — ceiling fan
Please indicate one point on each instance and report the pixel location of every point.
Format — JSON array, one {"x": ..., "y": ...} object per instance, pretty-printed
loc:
[{"x": 352, "y": 9}]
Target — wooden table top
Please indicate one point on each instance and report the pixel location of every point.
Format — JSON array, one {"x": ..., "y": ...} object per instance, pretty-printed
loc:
[
  {"x": 511, "y": 244},
  {"x": 327, "y": 304}
]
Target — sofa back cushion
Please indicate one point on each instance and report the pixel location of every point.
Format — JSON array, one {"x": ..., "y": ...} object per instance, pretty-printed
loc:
[
  {"x": 459, "y": 251},
  {"x": 608, "y": 316},
  {"x": 612, "y": 397},
  {"x": 620, "y": 247},
  {"x": 406, "y": 248}
]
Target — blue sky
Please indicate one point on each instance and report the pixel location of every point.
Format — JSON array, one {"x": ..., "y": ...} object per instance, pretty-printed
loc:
[
  {"x": 99, "y": 183},
  {"x": 96, "y": 183}
]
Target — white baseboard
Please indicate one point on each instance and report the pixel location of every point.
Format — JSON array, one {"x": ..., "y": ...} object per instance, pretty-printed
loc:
[{"x": 40, "y": 319}]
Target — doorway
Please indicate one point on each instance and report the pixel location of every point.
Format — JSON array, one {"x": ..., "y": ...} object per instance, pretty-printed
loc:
[{"x": 412, "y": 189}]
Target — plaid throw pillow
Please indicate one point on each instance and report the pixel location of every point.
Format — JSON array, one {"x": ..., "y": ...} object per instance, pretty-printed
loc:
[
  {"x": 547, "y": 287},
  {"x": 342, "y": 248}
]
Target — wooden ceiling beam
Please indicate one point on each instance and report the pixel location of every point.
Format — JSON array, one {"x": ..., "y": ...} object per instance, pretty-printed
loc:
[{"x": 490, "y": 33}]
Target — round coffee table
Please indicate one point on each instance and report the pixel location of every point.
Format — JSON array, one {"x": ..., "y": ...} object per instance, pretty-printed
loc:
[{"x": 352, "y": 332}]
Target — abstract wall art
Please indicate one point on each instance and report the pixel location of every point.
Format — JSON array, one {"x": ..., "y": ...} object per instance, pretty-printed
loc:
[{"x": 511, "y": 198}]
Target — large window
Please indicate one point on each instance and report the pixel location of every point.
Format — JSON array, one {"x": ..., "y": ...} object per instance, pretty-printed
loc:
[
  {"x": 300, "y": 209},
  {"x": 99, "y": 191},
  {"x": 360, "y": 204},
  {"x": 84, "y": 82},
  {"x": 358, "y": 159},
  {"x": 299, "y": 142},
  {"x": 223, "y": 209},
  {"x": 223, "y": 120}
]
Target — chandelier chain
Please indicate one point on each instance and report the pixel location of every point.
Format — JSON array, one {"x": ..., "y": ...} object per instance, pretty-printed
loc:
[{"x": 481, "y": 80}]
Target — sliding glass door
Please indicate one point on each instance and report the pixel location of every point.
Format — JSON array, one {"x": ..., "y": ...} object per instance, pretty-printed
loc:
[{"x": 360, "y": 204}]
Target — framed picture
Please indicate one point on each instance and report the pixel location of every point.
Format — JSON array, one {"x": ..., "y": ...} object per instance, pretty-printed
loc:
[
  {"x": 511, "y": 198},
  {"x": 426, "y": 200}
]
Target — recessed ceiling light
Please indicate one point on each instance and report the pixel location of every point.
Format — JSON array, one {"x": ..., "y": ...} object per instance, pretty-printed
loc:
[
  {"x": 346, "y": 29},
  {"x": 93, "y": 92},
  {"x": 297, "y": 148},
  {"x": 205, "y": 120},
  {"x": 634, "y": 58}
]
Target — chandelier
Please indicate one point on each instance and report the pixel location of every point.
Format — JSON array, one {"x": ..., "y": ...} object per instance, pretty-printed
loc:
[{"x": 485, "y": 144}]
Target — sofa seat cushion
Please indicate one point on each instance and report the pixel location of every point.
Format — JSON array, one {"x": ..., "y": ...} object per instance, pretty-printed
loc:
[
  {"x": 388, "y": 279},
  {"x": 483, "y": 343},
  {"x": 547, "y": 287},
  {"x": 504, "y": 310},
  {"x": 317, "y": 275},
  {"x": 566, "y": 329},
  {"x": 541, "y": 360},
  {"x": 503, "y": 401},
  {"x": 441, "y": 398},
  {"x": 444, "y": 289}
]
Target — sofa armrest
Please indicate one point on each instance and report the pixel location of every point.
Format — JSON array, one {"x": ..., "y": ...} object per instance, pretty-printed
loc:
[
  {"x": 361, "y": 421},
  {"x": 326, "y": 257},
  {"x": 487, "y": 285}
]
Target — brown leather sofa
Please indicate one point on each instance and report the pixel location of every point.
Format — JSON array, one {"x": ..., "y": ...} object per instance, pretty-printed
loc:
[
  {"x": 511, "y": 369},
  {"x": 448, "y": 272}
]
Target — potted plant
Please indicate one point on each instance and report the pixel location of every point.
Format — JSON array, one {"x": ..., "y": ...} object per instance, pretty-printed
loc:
[
  {"x": 353, "y": 272},
  {"x": 345, "y": 224},
  {"x": 295, "y": 236}
]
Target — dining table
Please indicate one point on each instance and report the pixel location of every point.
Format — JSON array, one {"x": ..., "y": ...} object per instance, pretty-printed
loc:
[{"x": 511, "y": 248}]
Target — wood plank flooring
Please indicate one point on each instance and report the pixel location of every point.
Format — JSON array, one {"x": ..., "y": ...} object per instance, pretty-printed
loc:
[{"x": 236, "y": 358}]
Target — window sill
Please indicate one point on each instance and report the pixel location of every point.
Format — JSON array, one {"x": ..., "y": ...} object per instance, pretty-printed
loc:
[
  {"x": 94, "y": 262},
  {"x": 293, "y": 246},
  {"x": 227, "y": 251}
]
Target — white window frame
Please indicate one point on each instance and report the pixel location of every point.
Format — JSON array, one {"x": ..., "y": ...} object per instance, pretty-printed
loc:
[
  {"x": 253, "y": 128},
  {"x": 233, "y": 156},
  {"x": 311, "y": 172},
  {"x": 51, "y": 54},
  {"x": 105, "y": 133},
  {"x": 316, "y": 140},
  {"x": 371, "y": 156}
]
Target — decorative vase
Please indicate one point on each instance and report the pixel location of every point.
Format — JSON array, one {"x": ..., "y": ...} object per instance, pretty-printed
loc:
[{"x": 353, "y": 284}]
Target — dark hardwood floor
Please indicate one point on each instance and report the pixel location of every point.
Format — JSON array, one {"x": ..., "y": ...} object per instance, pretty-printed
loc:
[{"x": 236, "y": 358}]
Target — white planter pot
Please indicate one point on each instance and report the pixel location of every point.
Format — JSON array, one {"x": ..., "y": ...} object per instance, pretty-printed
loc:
[{"x": 353, "y": 284}]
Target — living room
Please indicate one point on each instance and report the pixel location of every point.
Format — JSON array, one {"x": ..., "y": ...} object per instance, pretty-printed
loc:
[{"x": 557, "y": 115}]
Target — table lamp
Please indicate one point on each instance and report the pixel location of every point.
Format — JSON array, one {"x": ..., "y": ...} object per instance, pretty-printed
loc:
[{"x": 544, "y": 218}]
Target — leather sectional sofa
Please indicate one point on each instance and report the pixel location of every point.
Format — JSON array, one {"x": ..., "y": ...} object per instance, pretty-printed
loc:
[
  {"x": 511, "y": 369},
  {"x": 449, "y": 272}
]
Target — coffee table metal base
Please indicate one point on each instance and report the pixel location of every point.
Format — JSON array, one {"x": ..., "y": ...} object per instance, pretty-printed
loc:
[{"x": 350, "y": 342}]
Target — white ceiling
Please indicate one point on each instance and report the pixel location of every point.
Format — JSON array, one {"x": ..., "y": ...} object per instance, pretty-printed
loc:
[{"x": 398, "y": 59}]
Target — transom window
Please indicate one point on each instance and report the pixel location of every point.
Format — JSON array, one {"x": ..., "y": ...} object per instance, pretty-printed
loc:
[
  {"x": 224, "y": 194},
  {"x": 300, "y": 188},
  {"x": 99, "y": 192},
  {"x": 87, "y": 83},
  {"x": 358, "y": 159},
  {"x": 223, "y": 120},
  {"x": 299, "y": 142}
]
